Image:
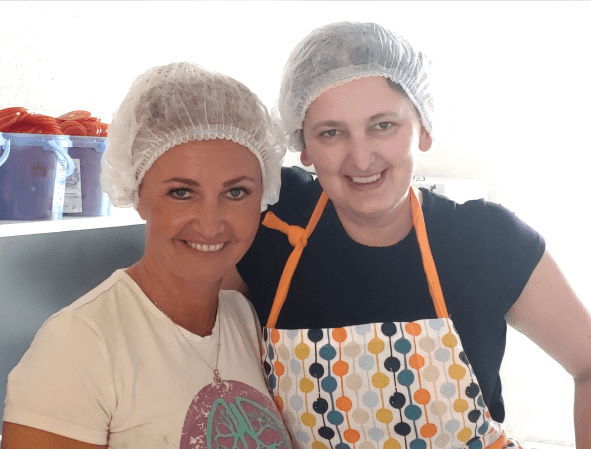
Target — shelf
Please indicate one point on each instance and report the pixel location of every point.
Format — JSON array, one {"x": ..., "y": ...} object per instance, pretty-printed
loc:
[
  {"x": 118, "y": 217},
  {"x": 459, "y": 190}
]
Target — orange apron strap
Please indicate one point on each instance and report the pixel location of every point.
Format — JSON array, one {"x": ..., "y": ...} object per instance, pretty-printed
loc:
[
  {"x": 298, "y": 238},
  {"x": 428, "y": 262}
]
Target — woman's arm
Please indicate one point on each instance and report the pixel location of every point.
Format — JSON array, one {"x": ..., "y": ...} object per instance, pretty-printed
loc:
[
  {"x": 550, "y": 314},
  {"x": 15, "y": 436}
]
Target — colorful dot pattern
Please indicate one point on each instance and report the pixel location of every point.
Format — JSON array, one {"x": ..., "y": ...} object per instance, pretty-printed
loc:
[{"x": 372, "y": 386}]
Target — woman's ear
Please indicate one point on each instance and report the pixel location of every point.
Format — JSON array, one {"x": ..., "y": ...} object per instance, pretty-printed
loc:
[
  {"x": 139, "y": 206},
  {"x": 140, "y": 211},
  {"x": 305, "y": 158},
  {"x": 425, "y": 140}
]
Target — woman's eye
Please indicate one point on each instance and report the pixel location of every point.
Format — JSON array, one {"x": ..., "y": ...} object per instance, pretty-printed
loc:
[
  {"x": 329, "y": 133},
  {"x": 383, "y": 125},
  {"x": 180, "y": 194},
  {"x": 237, "y": 193}
]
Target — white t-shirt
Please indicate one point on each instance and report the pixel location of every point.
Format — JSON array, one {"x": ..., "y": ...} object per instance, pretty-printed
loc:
[{"x": 113, "y": 369}]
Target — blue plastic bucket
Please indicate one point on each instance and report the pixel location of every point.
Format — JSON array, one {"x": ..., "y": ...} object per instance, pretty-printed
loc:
[
  {"x": 33, "y": 175},
  {"x": 84, "y": 196}
]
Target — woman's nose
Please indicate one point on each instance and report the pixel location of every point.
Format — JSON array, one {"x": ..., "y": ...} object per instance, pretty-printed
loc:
[
  {"x": 209, "y": 220},
  {"x": 361, "y": 153}
]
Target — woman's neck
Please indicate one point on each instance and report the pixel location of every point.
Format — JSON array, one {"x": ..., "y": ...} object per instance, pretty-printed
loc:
[
  {"x": 380, "y": 231},
  {"x": 191, "y": 305}
]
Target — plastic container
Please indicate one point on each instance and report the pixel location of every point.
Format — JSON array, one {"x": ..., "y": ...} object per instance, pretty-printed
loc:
[
  {"x": 84, "y": 196},
  {"x": 33, "y": 173}
]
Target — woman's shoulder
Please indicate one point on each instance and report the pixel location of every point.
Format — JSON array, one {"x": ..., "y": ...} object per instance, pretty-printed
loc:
[
  {"x": 76, "y": 331},
  {"x": 233, "y": 298},
  {"x": 484, "y": 237},
  {"x": 294, "y": 177},
  {"x": 475, "y": 217},
  {"x": 235, "y": 302},
  {"x": 81, "y": 367},
  {"x": 239, "y": 310},
  {"x": 92, "y": 308},
  {"x": 299, "y": 193}
]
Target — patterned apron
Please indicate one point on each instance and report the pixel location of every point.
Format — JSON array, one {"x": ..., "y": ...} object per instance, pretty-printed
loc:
[{"x": 375, "y": 386}]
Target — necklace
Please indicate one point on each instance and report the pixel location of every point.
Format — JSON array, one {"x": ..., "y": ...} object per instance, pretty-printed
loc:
[{"x": 217, "y": 380}]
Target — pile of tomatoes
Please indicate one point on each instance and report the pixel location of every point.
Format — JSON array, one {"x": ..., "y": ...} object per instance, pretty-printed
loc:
[{"x": 74, "y": 123}]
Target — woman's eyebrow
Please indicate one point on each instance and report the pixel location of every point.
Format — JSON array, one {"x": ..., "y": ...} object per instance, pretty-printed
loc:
[
  {"x": 192, "y": 182},
  {"x": 380, "y": 115},
  {"x": 334, "y": 123},
  {"x": 189, "y": 181},
  {"x": 326, "y": 123},
  {"x": 238, "y": 179}
]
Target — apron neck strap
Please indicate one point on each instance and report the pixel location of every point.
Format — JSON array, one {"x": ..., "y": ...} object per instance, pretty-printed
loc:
[
  {"x": 298, "y": 238},
  {"x": 418, "y": 221}
]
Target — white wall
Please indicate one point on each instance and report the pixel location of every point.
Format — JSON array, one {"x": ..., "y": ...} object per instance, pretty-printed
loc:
[{"x": 513, "y": 102}]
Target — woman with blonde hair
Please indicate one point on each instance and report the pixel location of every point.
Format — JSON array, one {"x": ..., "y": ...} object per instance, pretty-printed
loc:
[{"x": 158, "y": 356}]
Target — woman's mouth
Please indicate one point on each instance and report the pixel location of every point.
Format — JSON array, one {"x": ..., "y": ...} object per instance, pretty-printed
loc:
[
  {"x": 366, "y": 179},
  {"x": 206, "y": 248},
  {"x": 366, "y": 182}
]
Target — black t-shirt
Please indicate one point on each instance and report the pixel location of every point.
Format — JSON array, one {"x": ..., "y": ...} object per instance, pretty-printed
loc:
[{"x": 483, "y": 253}]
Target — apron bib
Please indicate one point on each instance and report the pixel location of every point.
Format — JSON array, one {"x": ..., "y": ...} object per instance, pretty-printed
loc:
[{"x": 384, "y": 385}]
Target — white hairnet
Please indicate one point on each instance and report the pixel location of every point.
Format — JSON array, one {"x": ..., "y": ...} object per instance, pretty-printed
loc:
[
  {"x": 341, "y": 52},
  {"x": 179, "y": 103}
]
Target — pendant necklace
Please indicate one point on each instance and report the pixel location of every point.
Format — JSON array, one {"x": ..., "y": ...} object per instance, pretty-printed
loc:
[{"x": 217, "y": 380}]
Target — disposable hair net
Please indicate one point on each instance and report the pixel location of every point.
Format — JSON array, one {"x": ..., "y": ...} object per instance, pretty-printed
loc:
[
  {"x": 344, "y": 51},
  {"x": 179, "y": 103}
]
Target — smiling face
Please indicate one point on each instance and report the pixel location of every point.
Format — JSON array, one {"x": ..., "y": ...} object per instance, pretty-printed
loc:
[
  {"x": 361, "y": 138},
  {"x": 201, "y": 202}
]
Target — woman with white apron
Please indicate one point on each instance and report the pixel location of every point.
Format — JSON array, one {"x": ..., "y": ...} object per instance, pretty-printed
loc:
[{"x": 385, "y": 307}]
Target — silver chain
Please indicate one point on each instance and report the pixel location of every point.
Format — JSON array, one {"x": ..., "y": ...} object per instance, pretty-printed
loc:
[{"x": 217, "y": 380}]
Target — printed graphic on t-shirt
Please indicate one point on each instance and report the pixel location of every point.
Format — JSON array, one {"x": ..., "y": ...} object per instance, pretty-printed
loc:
[{"x": 233, "y": 415}]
